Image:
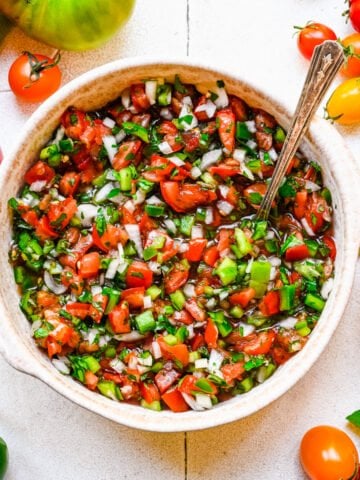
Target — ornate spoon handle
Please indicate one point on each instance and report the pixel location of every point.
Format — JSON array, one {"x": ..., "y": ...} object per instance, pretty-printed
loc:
[{"x": 325, "y": 63}]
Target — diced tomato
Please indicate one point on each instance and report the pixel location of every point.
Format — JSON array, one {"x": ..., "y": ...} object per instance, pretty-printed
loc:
[
  {"x": 316, "y": 211},
  {"x": 139, "y": 97},
  {"x": 185, "y": 197},
  {"x": 296, "y": 253},
  {"x": 97, "y": 308},
  {"x": 188, "y": 385},
  {"x": 166, "y": 126},
  {"x": 126, "y": 154},
  {"x": 94, "y": 133},
  {"x": 29, "y": 216},
  {"x": 61, "y": 213},
  {"x": 255, "y": 193},
  {"x": 211, "y": 255},
  {"x": 176, "y": 278},
  {"x": 202, "y": 114},
  {"x": 270, "y": 304},
  {"x": 184, "y": 317},
  {"x": 43, "y": 229},
  {"x": 239, "y": 108},
  {"x": 256, "y": 343},
  {"x": 224, "y": 171},
  {"x": 280, "y": 355},
  {"x": 160, "y": 169},
  {"x": 75, "y": 123},
  {"x": 134, "y": 297},
  {"x": 170, "y": 248},
  {"x": 211, "y": 334},
  {"x": 69, "y": 183},
  {"x": 149, "y": 392},
  {"x": 89, "y": 265},
  {"x": 139, "y": 274},
  {"x": 81, "y": 158},
  {"x": 242, "y": 298},
  {"x": 83, "y": 244},
  {"x": 78, "y": 309},
  {"x": 175, "y": 401},
  {"x": 300, "y": 204},
  {"x": 196, "y": 249},
  {"x": 195, "y": 311},
  {"x": 39, "y": 172},
  {"x": 232, "y": 196},
  {"x": 46, "y": 299},
  {"x": 191, "y": 140},
  {"x": 53, "y": 347},
  {"x": 71, "y": 279},
  {"x": 110, "y": 239},
  {"x": 225, "y": 236},
  {"x": 226, "y": 119},
  {"x": 197, "y": 342},
  {"x": 177, "y": 352},
  {"x": 232, "y": 371},
  {"x": 91, "y": 380},
  {"x": 119, "y": 318},
  {"x": 329, "y": 242},
  {"x": 165, "y": 378}
]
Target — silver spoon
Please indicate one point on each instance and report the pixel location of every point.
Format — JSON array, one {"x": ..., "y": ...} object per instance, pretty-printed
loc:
[{"x": 325, "y": 63}]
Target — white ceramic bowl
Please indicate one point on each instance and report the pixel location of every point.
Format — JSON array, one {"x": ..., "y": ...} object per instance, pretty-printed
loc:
[{"x": 95, "y": 89}]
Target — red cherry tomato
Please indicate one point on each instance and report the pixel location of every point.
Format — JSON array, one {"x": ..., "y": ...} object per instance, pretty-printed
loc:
[
  {"x": 327, "y": 453},
  {"x": 354, "y": 14},
  {"x": 34, "y": 78},
  {"x": 312, "y": 35},
  {"x": 351, "y": 45}
]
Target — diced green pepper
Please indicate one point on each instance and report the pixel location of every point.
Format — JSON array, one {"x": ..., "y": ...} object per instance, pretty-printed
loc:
[
  {"x": 125, "y": 179},
  {"x": 181, "y": 334},
  {"x": 132, "y": 128},
  {"x": 221, "y": 322},
  {"x": 154, "y": 292},
  {"x": 313, "y": 247},
  {"x": 109, "y": 389},
  {"x": 145, "y": 322},
  {"x": 155, "y": 210},
  {"x": 171, "y": 339},
  {"x": 227, "y": 271},
  {"x": 279, "y": 135},
  {"x": 246, "y": 385},
  {"x": 145, "y": 185},
  {"x": 237, "y": 312},
  {"x": 314, "y": 301},
  {"x": 149, "y": 252},
  {"x": 186, "y": 224},
  {"x": 155, "y": 405},
  {"x": 164, "y": 94},
  {"x": 204, "y": 385},
  {"x": 260, "y": 229},
  {"x": 49, "y": 151},
  {"x": 92, "y": 364},
  {"x": 178, "y": 299},
  {"x": 242, "y": 131},
  {"x": 260, "y": 276},
  {"x": 291, "y": 241},
  {"x": 66, "y": 145},
  {"x": 287, "y": 297},
  {"x": 114, "y": 296},
  {"x": 308, "y": 269},
  {"x": 242, "y": 242},
  {"x": 110, "y": 352}
]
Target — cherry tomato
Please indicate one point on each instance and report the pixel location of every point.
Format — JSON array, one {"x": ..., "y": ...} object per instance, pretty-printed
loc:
[
  {"x": 354, "y": 14},
  {"x": 351, "y": 45},
  {"x": 344, "y": 104},
  {"x": 312, "y": 35},
  {"x": 138, "y": 275},
  {"x": 327, "y": 453},
  {"x": 34, "y": 78},
  {"x": 185, "y": 197}
]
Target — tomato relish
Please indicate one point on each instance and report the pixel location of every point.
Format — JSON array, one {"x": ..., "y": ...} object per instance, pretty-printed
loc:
[{"x": 142, "y": 268}]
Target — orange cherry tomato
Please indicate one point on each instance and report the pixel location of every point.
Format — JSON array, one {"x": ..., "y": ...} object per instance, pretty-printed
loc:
[
  {"x": 327, "y": 453},
  {"x": 312, "y": 35},
  {"x": 344, "y": 104},
  {"x": 34, "y": 78},
  {"x": 351, "y": 45},
  {"x": 354, "y": 14}
]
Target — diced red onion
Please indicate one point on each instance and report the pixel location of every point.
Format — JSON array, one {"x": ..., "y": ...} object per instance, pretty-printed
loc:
[
  {"x": 170, "y": 225},
  {"x": 211, "y": 303},
  {"x": 311, "y": 186},
  {"x": 224, "y": 190},
  {"x": 189, "y": 290},
  {"x": 326, "y": 288},
  {"x": 130, "y": 206},
  {"x": 119, "y": 137},
  {"x": 201, "y": 363},
  {"x": 203, "y": 400},
  {"x": 60, "y": 132},
  {"x": 109, "y": 122},
  {"x": 156, "y": 350},
  {"x": 133, "y": 336},
  {"x": 197, "y": 231},
  {"x": 273, "y": 154},
  {"x": 192, "y": 402},
  {"x": 146, "y": 361},
  {"x": 215, "y": 360},
  {"x": 239, "y": 155},
  {"x": 270, "y": 235},
  {"x": 139, "y": 197},
  {"x": 110, "y": 146},
  {"x": 209, "y": 216},
  {"x": 251, "y": 126},
  {"x": 210, "y": 158},
  {"x": 288, "y": 322},
  {"x": 34, "y": 326},
  {"x": 150, "y": 90},
  {"x": 208, "y": 107},
  {"x": 86, "y": 212},
  {"x": 223, "y": 294},
  {"x": 165, "y": 148},
  {"x": 133, "y": 230},
  {"x": 183, "y": 247},
  {"x": 166, "y": 113},
  {"x": 190, "y": 329},
  {"x": 38, "y": 186},
  {"x": 248, "y": 268},
  {"x": 307, "y": 227},
  {"x": 247, "y": 329},
  {"x": 125, "y": 98},
  {"x": 154, "y": 200},
  {"x": 225, "y": 208},
  {"x": 186, "y": 111},
  {"x": 147, "y": 301},
  {"x": 187, "y": 101},
  {"x": 95, "y": 289},
  {"x": 52, "y": 285},
  {"x": 275, "y": 261},
  {"x": 102, "y": 194},
  {"x": 155, "y": 267},
  {"x": 61, "y": 366},
  {"x": 117, "y": 365},
  {"x": 251, "y": 144},
  {"x": 195, "y": 173},
  {"x": 177, "y": 161},
  {"x": 112, "y": 268},
  {"x": 222, "y": 99}
]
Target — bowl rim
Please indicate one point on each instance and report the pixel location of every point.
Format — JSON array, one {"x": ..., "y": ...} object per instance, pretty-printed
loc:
[{"x": 22, "y": 358}]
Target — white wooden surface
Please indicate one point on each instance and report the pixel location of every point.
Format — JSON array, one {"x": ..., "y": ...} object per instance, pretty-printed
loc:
[{"x": 48, "y": 436}]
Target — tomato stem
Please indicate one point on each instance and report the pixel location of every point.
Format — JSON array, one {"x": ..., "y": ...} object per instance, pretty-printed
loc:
[{"x": 36, "y": 66}]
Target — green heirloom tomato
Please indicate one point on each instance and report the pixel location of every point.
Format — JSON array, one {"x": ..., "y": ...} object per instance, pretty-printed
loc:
[
  {"x": 69, "y": 24},
  {"x": 4, "y": 458}
]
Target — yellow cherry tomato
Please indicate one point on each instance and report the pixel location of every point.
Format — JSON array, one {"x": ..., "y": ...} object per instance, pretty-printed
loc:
[{"x": 344, "y": 104}]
